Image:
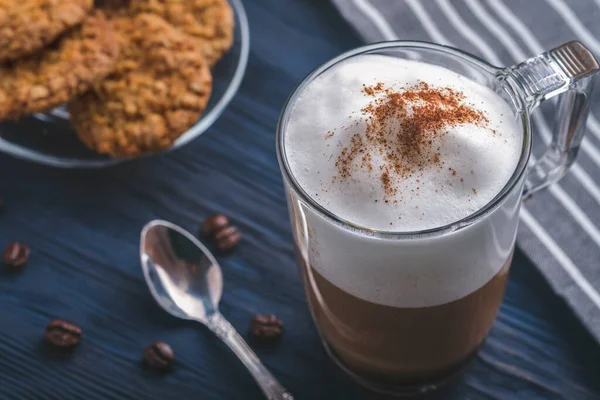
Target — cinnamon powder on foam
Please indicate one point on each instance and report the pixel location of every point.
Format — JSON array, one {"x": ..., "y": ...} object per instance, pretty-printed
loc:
[{"x": 401, "y": 126}]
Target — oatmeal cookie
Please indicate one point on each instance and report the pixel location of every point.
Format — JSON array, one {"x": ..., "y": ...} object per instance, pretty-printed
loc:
[
  {"x": 115, "y": 8},
  {"x": 52, "y": 77},
  {"x": 159, "y": 88},
  {"x": 26, "y": 26},
  {"x": 209, "y": 21}
]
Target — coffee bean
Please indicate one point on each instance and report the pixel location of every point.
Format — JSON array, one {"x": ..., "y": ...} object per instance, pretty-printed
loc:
[
  {"x": 266, "y": 327},
  {"x": 16, "y": 255},
  {"x": 212, "y": 225},
  {"x": 159, "y": 355},
  {"x": 227, "y": 239},
  {"x": 63, "y": 334},
  {"x": 217, "y": 231}
]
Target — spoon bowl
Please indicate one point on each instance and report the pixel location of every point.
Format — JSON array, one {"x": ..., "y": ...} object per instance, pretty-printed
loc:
[{"x": 183, "y": 276}]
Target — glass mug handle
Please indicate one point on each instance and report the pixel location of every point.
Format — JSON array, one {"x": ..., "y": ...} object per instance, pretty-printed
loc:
[{"x": 569, "y": 69}]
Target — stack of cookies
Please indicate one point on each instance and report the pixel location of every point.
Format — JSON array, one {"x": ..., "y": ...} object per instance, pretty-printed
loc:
[{"x": 135, "y": 74}]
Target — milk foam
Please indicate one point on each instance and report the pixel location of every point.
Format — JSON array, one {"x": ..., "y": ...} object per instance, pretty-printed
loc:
[
  {"x": 478, "y": 162},
  {"x": 328, "y": 113}
]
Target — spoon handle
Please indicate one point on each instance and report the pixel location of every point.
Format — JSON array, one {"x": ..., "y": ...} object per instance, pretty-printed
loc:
[{"x": 267, "y": 382}]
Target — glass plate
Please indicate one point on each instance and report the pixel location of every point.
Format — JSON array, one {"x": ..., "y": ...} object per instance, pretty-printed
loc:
[{"x": 49, "y": 138}]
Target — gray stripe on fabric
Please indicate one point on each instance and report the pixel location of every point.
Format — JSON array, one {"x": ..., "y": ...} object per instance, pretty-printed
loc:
[
  {"x": 560, "y": 282},
  {"x": 574, "y": 241},
  {"x": 364, "y": 26}
]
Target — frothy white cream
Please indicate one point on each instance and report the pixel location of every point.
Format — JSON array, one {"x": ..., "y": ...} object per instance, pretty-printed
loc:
[
  {"x": 477, "y": 162},
  {"x": 402, "y": 272}
]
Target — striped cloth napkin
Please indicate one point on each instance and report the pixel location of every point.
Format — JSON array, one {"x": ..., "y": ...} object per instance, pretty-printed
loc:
[{"x": 559, "y": 227}]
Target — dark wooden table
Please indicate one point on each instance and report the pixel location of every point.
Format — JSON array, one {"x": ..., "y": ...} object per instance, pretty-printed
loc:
[{"x": 83, "y": 228}]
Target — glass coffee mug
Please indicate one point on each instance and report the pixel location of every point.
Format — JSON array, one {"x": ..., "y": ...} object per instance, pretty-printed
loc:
[{"x": 413, "y": 340}]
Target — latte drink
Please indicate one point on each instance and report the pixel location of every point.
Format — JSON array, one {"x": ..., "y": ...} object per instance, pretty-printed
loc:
[{"x": 388, "y": 157}]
